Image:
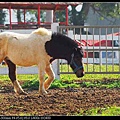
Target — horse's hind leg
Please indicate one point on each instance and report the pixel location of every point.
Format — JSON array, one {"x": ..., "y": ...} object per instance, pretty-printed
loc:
[
  {"x": 41, "y": 68},
  {"x": 12, "y": 75},
  {"x": 51, "y": 77}
]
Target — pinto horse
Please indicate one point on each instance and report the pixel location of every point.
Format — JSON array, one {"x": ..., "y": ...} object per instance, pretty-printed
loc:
[{"x": 40, "y": 48}]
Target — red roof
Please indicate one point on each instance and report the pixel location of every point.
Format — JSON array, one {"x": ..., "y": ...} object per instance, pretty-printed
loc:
[
  {"x": 115, "y": 34},
  {"x": 34, "y": 5},
  {"x": 98, "y": 42},
  {"x": 95, "y": 43}
]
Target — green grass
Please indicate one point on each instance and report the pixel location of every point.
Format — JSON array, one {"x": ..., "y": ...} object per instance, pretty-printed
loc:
[
  {"x": 20, "y": 77},
  {"x": 66, "y": 80},
  {"x": 64, "y": 68},
  {"x": 90, "y": 77},
  {"x": 34, "y": 84},
  {"x": 70, "y": 80},
  {"x": 91, "y": 68},
  {"x": 107, "y": 111},
  {"x": 102, "y": 84}
]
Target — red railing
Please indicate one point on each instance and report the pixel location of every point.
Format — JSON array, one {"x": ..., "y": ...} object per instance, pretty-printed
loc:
[{"x": 27, "y": 25}]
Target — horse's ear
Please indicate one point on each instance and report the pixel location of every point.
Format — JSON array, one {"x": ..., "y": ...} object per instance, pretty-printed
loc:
[
  {"x": 80, "y": 50},
  {"x": 76, "y": 49},
  {"x": 79, "y": 43}
]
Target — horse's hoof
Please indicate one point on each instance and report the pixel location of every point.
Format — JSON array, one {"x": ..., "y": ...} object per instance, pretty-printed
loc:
[
  {"x": 22, "y": 93},
  {"x": 42, "y": 94}
]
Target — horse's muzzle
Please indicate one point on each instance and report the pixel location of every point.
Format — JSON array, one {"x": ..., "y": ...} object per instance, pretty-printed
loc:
[{"x": 80, "y": 74}]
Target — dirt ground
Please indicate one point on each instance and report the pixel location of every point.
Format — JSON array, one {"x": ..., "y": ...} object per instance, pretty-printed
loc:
[{"x": 65, "y": 101}]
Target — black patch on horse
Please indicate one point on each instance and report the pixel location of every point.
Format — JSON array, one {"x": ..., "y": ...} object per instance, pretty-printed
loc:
[{"x": 60, "y": 46}]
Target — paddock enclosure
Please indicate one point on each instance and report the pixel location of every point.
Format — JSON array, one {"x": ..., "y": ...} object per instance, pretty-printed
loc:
[
  {"x": 101, "y": 45},
  {"x": 68, "y": 101}
]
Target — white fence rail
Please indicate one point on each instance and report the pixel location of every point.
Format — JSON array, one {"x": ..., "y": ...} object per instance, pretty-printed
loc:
[{"x": 19, "y": 70}]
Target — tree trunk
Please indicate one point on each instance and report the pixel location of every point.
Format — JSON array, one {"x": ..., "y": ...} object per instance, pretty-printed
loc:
[
  {"x": 2, "y": 16},
  {"x": 18, "y": 15},
  {"x": 79, "y": 17}
]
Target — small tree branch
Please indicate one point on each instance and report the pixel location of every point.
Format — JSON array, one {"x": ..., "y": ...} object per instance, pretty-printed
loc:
[{"x": 100, "y": 14}]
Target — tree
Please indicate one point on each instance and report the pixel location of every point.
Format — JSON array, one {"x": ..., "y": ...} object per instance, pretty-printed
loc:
[
  {"x": 78, "y": 18},
  {"x": 18, "y": 15},
  {"x": 105, "y": 10},
  {"x": 2, "y": 16},
  {"x": 60, "y": 15},
  {"x": 32, "y": 15}
]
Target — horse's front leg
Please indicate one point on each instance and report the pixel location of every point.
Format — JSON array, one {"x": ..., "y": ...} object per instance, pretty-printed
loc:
[
  {"x": 51, "y": 77},
  {"x": 41, "y": 74},
  {"x": 12, "y": 75}
]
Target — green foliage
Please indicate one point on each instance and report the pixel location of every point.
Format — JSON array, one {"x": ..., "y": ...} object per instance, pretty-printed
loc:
[
  {"x": 60, "y": 16},
  {"x": 63, "y": 84},
  {"x": 34, "y": 15},
  {"x": 104, "y": 10},
  {"x": 34, "y": 84},
  {"x": 107, "y": 111},
  {"x": 99, "y": 84},
  {"x": 31, "y": 13},
  {"x": 91, "y": 68},
  {"x": 69, "y": 80},
  {"x": 107, "y": 9},
  {"x": 2, "y": 16},
  {"x": 102, "y": 84},
  {"x": 27, "y": 77}
]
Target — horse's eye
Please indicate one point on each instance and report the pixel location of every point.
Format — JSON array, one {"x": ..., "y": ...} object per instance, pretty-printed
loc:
[
  {"x": 81, "y": 52},
  {"x": 77, "y": 56}
]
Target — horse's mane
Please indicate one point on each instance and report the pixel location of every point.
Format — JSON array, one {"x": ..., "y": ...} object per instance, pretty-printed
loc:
[
  {"x": 60, "y": 46},
  {"x": 64, "y": 40},
  {"x": 41, "y": 31}
]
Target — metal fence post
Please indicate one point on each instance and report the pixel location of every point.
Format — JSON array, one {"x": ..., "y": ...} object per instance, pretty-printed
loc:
[{"x": 55, "y": 64}]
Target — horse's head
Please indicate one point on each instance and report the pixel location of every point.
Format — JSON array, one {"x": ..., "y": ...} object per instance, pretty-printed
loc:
[{"x": 76, "y": 61}]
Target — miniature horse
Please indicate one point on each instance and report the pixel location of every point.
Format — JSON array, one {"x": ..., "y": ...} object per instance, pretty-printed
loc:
[{"x": 39, "y": 48}]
